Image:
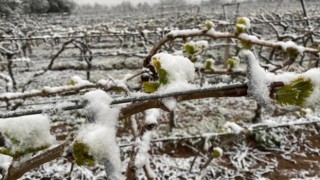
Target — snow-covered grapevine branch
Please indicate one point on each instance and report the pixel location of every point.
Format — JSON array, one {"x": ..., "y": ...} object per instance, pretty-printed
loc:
[
  {"x": 240, "y": 35},
  {"x": 76, "y": 85}
]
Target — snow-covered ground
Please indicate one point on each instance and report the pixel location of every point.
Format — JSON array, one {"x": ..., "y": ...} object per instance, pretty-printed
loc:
[{"x": 283, "y": 143}]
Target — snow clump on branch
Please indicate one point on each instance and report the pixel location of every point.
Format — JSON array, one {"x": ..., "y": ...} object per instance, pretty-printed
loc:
[
  {"x": 178, "y": 68},
  {"x": 103, "y": 146},
  {"x": 175, "y": 73},
  {"x": 26, "y": 133},
  {"x": 100, "y": 136},
  {"x": 152, "y": 116},
  {"x": 258, "y": 81},
  {"x": 98, "y": 106},
  {"x": 298, "y": 90}
]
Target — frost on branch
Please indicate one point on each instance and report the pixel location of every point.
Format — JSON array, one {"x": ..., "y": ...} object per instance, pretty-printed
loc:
[
  {"x": 231, "y": 127},
  {"x": 142, "y": 145},
  {"x": 25, "y": 134},
  {"x": 258, "y": 81},
  {"x": 97, "y": 141},
  {"x": 142, "y": 157}
]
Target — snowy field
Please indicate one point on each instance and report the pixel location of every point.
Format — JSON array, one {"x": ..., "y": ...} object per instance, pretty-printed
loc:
[{"x": 235, "y": 120}]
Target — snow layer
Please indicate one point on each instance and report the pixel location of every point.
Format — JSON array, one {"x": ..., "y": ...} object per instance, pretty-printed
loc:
[
  {"x": 284, "y": 45},
  {"x": 185, "y": 32},
  {"x": 176, "y": 86},
  {"x": 30, "y": 131},
  {"x": 291, "y": 45}
]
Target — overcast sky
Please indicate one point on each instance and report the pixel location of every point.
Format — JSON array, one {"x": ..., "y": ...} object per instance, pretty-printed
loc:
[{"x": 113, "y": 2}]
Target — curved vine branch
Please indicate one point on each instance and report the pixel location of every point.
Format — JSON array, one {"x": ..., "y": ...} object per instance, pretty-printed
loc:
[
  {"x": 15, "y": 172},
  {"x": 183, "y": 34},
  {"x": 49, "y": 67}
]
